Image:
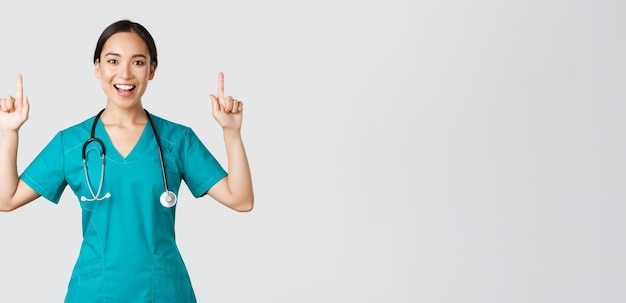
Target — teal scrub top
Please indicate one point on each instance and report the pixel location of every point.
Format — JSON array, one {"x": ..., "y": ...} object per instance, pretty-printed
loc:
[{"x": 129, "y": 251}]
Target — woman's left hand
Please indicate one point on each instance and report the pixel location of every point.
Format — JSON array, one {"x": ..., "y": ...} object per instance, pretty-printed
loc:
[{"x": 226, "y": 110}]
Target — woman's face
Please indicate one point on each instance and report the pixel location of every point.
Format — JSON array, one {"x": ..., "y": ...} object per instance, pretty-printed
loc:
[{"x": 124, "y": 69}]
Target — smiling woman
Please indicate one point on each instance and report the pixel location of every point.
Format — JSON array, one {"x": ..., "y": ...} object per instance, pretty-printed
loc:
[{"x": 116, "y": 163}]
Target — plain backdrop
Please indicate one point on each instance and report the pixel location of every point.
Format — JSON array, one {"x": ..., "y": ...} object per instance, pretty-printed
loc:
[{"x": 401, "y": 151}]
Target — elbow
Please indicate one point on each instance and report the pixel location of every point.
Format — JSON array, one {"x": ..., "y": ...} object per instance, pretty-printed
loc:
[
  {"x": 245, "y": 206},
  {"x": 6, "y": 207},
  {"x": 245, "y": 209}
]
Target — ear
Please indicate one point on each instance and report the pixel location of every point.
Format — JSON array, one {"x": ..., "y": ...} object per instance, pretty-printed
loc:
[
  {"x": 96, "y": 66},
  {"x": 153, "y": 67}
]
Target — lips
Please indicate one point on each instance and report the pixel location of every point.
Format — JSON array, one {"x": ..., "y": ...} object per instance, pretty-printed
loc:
[{"x": 124, "y": 89}]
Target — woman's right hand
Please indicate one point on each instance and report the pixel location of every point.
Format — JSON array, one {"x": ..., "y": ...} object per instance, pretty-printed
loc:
[{"x": 14, "y": 111}]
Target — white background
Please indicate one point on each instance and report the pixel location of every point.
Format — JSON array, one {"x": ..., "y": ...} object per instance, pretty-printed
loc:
[{"x": 402, "y": 151}]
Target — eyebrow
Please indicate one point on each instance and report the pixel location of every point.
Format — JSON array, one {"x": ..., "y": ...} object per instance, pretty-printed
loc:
[{"x": 118, "y": 55}]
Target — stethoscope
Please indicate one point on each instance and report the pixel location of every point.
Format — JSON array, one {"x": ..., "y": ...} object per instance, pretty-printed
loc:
[{"x": 167, "y": 199}]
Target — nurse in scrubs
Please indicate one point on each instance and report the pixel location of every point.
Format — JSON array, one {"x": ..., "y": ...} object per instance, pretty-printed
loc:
[{"x": 125, "y": 166}]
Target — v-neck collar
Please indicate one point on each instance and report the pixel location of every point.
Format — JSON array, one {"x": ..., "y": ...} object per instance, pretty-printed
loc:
[{"x": 143, "y": 144}]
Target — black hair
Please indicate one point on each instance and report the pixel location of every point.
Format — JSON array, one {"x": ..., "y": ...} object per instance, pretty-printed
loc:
[{"x": 126, "y": 26}]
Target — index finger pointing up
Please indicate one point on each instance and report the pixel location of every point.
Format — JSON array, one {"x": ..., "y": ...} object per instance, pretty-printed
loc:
[
  {"x": 20, "y": 88},
  {"x": 220, "y": 86}
]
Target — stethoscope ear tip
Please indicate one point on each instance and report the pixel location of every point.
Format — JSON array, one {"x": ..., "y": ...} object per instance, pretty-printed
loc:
[
  {"x": 107, "y": 195},
  {"x": 83, "y": 198}
]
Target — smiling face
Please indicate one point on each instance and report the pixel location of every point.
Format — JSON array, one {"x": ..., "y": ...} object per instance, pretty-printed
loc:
[{"x": 124, "y": 69}]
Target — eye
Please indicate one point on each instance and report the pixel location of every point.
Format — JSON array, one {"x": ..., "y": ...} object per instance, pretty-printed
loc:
[
  {"x": 112, "y": 61},
  {"x": 139, "y": 63}
]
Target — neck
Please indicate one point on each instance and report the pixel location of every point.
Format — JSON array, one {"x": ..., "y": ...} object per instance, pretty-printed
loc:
[{"x": 127, "y": 116}]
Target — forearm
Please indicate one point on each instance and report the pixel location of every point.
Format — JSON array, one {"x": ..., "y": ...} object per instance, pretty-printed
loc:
[
  {"x": 239, "y": 177},
  {"x": 8, "y": 166}
]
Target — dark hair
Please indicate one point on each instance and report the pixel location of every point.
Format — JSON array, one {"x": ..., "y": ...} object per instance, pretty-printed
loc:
[{"x": 126, "y": 26}]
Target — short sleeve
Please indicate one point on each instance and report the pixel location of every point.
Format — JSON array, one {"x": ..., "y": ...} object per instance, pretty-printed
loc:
[
  {"x": 45, "y": 174},
  {"x": 201, "y": 170}
]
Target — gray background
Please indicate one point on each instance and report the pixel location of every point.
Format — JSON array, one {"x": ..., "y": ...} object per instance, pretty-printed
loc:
[{"x": 402, "y": 151}]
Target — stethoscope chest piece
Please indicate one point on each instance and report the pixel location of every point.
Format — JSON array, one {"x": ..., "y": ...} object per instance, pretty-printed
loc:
[{"x": 168, "y": 199}]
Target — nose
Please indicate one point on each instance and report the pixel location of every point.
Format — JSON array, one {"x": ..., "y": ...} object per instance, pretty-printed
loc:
[{"x": 125, "y": 71}]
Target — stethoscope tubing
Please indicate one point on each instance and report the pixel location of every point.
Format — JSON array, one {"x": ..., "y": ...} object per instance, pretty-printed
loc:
[{"x": 167, "y": 199}]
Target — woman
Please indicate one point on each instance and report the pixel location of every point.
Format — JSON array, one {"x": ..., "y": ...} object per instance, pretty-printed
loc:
[{"x": 125, "y": 166}]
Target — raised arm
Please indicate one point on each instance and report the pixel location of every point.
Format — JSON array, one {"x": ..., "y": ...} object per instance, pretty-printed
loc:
[
  {"x": 235, "y": 190},
  {"x": 13, "y": 113}
]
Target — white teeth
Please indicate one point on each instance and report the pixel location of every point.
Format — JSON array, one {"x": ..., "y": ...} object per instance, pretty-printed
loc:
[{"x": 125, "y": 87}]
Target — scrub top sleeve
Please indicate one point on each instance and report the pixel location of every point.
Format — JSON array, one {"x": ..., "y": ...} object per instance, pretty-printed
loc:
[
  {"x": 45, "y": 174},
  {"x": 200, "y": 169}
]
